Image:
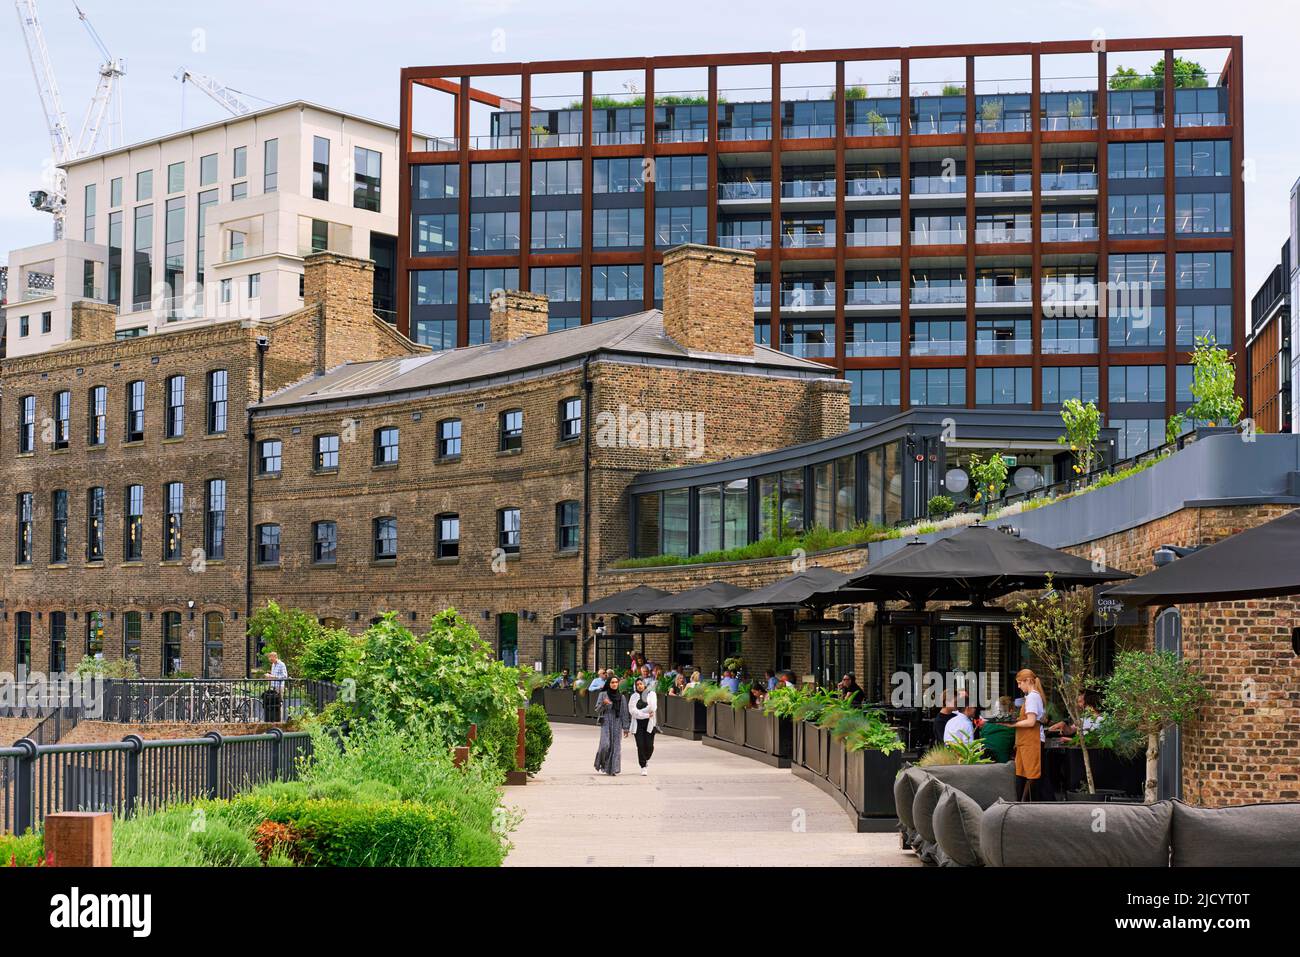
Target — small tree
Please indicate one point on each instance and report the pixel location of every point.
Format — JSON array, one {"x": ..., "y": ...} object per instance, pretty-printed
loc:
[
  {"x": 1053, "y": 628},
  {"x": 1082, "y": 428},
  {"x": 1148, "y": 692},
  {"x": 286, "y": 632},
  {"x": 1214, "y": 385},
  {"x": 989, "y": 475}
]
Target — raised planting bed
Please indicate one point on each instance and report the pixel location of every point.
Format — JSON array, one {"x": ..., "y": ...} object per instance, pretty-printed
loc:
[
  {"x": 681, "y": 717},
  {"x": 751, "y": 733},
  {"x": 862, "y": 782},
  {"x": 566, "y": 706}
]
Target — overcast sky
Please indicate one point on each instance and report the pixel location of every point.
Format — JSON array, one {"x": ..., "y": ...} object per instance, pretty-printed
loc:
[{"x": 347, "y": 56}]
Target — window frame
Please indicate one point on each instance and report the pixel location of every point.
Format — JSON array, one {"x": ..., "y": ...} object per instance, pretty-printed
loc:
[
  {"x": 504, "y": 533},
  {"x": 379, "y": 528},
  {"x": 510, "y": 439},
  {"x": 445, "y": 441},
  {"x": 563, "y": 529},
  {"x": 446, "y": 548}
]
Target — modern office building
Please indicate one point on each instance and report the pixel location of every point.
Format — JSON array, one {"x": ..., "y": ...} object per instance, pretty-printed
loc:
[
  {"x": 1268, "y": 350},
  {"x": 211, "y": 223},
  {"x": 938, "y": 238}
]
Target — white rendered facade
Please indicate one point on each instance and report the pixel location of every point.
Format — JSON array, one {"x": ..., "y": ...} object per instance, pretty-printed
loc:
[{"x": 253, "y": 179}]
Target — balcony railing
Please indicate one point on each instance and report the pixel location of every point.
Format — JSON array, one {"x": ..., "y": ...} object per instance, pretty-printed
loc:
[
  {"x": 1069, "y": 346},
  {"x": 1069, "y": 181},
  {"x": 754, "y": 190},
  {"x": 762, "y": 297},
  {"x": 698, "y": 135},
  {"x": 617, "y": 137},
  {"x": 1003, "y": 347},
  {"x": 874, "y": 237},
  {"x": 1069, "y": 234},
  {"x": 935, "y": 185},
  {"x": 763, "y": 241},
  {"x": 938, "y": 237},
  {"x": 1017, "y": 123},
  {"x": 1020, "y": 292},
  {"x": 809, "y": 350},
  {"x": 885, "y": 126},
  {"x": 1069, "y": 292},
  {"x": 808, "y": 132},
  {"x": 930, "y": 127},
  {"x": 861, "y": 349},
  {"x": 938, "y": 347},
  {"x": 808, "y": 189},
  {"x": 545, "y": 140},
  {"x": 1200, "y": 119},
  {"x": 873, "y": 186},
  {"x": 495, "y": 141},
  {"x": 1059, "y": 123},
  {"x": 1003, "y": 234},
  {"x": 872, "y": 296},
  {"x": 1136, "y": 121},
  {"x": 803, "y": 240},
  {"x": 744, "y": 133},
  {"x": 808, "y": 298},
  {"x": 1003, "y": 183},
  {"x": 938, "y": 295}
]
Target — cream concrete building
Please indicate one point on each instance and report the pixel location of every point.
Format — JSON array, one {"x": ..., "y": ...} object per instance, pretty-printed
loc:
[{"x": 211, "y": 224}]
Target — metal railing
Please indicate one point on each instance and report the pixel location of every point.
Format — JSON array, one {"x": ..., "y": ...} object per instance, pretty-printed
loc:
[
  {"x": 214, "y": 700},
  {"x": 55, "y": 725},
  {"x": 122, "y": 777}
]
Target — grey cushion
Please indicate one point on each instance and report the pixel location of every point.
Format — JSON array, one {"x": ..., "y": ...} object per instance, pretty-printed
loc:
[
  {"x": 982, "y": 783},
  {"x": 905, "y": 785},
  {"x": 1076, "y": 834},
  {"x": 927, "y": 796},
  {"x": 1254, "y": 835},
  {"x": 956, "y": 822}
]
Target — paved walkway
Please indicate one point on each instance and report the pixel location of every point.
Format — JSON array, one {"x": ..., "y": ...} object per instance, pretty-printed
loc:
[{"x": 699, "y": 806}]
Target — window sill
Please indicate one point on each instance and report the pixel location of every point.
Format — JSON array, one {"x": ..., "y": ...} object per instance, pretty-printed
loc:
[
  {"x": 324, "y": 472},
  {"x": 132, "y": 563},
  {"x": 215, "y": 435},
  {"x": 386, "y": 467},
  {"x": 133, "y": 444},
  {"x": 173, "y": 439},
  {"x": 268, "y": 476},
  {"x": 172, "y": 563},
  {"x": 325, "y": 565},
  {"x": 447, "y": 460},
  {"x": 25, "y": 455},
  {"x": 53, "y": 566},
  {"x": 448, "y": 560},
  {"x": 63, "y": 451},
  {"x": 94, "y": 563},
  {"x": 508, "y": 452},
  {"x": 565, "y": 443},
  {"x": 266, "y": 567},
  {"x": 567, "y": 552},
  {"x": 383, "y": 562},
  {"x": 24, "y": 566}
]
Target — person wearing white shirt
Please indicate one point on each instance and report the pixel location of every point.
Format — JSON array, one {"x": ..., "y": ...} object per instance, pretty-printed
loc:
[
  {"x": 960, "y": 727},
  {"x": 641, "y": 706},
  {"x": 1029, "y": 734}
]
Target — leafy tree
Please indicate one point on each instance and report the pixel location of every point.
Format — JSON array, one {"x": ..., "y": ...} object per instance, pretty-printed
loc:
[
  {"x": 287, "y": 633},
  {"x": 1187, "y": 74},
  {"x": 989, "y": 475},
  {"x": 1053, "y": 628},
  {"x": 940, "y": 506},
  {"x": 1214, "y": 384},
  {"x": 1082, "y": 428},
  {"x": 448, "y": 674},
  {"x": 327, "y": 653},
  {"x": 1148, "y": 692}
]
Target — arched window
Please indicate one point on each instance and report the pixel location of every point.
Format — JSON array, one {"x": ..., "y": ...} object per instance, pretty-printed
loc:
[{"x": 214, "y": 627}]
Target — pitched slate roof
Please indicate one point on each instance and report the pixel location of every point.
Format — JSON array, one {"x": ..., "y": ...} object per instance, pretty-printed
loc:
[{"x": 638, "y": 335}]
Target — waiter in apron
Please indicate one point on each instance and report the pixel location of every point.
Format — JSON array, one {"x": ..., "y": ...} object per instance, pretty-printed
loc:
[{"x": 1029, "y": 734}]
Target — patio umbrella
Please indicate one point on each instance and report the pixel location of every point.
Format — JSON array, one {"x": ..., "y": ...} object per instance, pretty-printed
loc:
[
  {"x": 711, "y": 597},
  {"x": 641, "y": 600},
  {"x": 1257, "y": 563},
  {"x": 978, "y": 563},
  {"x": 816, "y": 586}
]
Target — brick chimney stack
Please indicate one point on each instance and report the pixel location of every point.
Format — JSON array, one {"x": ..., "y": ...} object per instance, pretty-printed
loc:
[
  {"x": 516, "y": 314},
  {"x": 709, "y": 299},
  {"x": 93, "y": 321},
  {"x": 343, "y": 288}
]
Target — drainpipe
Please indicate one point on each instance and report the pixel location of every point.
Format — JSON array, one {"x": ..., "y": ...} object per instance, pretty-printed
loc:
[
  {"x": 262, "y": 344},
  {"x": 587, "y": 391}
]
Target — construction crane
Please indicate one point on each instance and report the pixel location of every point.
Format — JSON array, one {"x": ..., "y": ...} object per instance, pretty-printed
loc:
[
  {"x": 105, "y": 102},
  {"x": 222, "y": 95}
]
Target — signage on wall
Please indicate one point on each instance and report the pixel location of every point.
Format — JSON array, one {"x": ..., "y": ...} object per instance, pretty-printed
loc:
[{"x": 1110, "y": 612}]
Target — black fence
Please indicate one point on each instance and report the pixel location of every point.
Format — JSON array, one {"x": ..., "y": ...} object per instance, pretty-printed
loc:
[
  {"x": 215, "y": 700},
  {"x": 55, "y": 725},
  {"x": 123, "y": 776}
]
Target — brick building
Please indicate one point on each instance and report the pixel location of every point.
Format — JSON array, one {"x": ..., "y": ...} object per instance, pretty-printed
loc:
[
  {"x": 459, "y": 478},
  {"x": 126, "y": 470}
]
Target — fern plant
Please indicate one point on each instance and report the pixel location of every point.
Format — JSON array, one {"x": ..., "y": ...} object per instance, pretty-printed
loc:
[{"x": 783, "y": 701}]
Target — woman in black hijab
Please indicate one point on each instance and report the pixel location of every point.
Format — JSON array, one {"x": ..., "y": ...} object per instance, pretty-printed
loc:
[{"x": 611, "y": 708}]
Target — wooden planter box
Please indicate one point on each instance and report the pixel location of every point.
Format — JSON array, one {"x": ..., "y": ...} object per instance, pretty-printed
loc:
[
  {"x": 561, "y": 704},
  {"x": 748, "y": 732},
  {"x": 861, "y": 781},
  {"x": 682, "y": 718}
]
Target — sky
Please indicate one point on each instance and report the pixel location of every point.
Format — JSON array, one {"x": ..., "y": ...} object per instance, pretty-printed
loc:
[{"x": 347, "y": 56}]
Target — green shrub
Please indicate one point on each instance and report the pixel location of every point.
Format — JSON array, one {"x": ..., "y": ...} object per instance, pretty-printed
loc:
[
  {"x": 184, "y": 835},
  {"x": 537, "y": 738},
  {"x": 24, "y": 851},
  {"x": 940, "y": 506},
  {"x": 334, "y": 833},
  {"x": 327, "y": 653}
]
